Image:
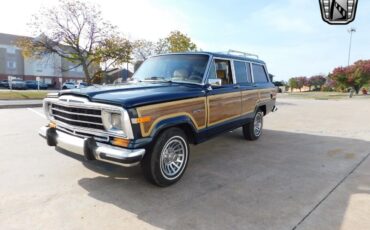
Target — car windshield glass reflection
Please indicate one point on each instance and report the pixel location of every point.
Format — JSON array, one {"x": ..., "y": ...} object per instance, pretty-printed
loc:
[{"x": 185, "y": 68}]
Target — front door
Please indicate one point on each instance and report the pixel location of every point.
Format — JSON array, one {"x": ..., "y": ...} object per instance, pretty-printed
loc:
[{"x": 224, "y": 101}]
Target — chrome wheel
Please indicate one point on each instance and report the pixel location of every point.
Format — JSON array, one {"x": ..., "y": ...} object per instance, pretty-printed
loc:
[
  {"x": 258, "y": 122},
  {"x": 173, "y": 157}
]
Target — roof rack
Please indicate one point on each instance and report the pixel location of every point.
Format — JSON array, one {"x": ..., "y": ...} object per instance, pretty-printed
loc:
[{"x": 242, "y": 53}]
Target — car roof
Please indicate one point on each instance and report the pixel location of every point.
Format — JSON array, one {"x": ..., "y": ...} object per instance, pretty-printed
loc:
[{"x": 221, "y": 55}]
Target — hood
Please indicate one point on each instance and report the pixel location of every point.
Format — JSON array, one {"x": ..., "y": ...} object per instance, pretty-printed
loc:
[{"x": 138, "y": 94}]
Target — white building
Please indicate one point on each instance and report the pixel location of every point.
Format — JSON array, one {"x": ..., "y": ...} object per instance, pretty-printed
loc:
[{"x": 48, "y": 68}]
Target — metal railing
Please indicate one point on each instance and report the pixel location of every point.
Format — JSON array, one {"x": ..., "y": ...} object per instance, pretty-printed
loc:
[{"x": 242, "y": 53}]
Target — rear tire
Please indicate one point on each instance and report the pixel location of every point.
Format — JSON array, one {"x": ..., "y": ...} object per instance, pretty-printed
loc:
[
  {"x": 253, "y": 130},
  {"x": 165, "y": 163}
]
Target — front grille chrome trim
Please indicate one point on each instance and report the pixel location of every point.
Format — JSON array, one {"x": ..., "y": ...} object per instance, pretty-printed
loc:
[
  {"x": 81, "y": 121},
  {"x": 48, "y": 102},
  {"x": 72, "y": 113},
  {"x": 77, "y": 133}
]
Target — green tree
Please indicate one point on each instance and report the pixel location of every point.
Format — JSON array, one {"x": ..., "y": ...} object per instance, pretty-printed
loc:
[
  {"x": 76, "y": 31},
  {"x": 174, "y": 42},
  {"x": 179, "y": 42},
  {"x": 293, "y": 83}
]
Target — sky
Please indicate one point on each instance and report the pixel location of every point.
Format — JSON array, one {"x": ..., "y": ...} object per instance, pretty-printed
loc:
[{"x": 289, "y": 35}]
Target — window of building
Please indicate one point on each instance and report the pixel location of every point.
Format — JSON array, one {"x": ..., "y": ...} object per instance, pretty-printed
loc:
[
  {"x": 10, "y": 50},
  {"x": 11, "y": 64},
  {"x": 79, "y": 69},
  {"x": 39, "y": 67},
  {"x": 242, "y": 72},
  {"x": 259, "y": 74}
]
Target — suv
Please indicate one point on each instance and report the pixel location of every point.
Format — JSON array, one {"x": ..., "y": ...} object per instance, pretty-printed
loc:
[
  {"x": 4, "y": 83},
  {"x": 18, "y": 84},
  {"x": 36, "y": 85},
  {"x": 68, "y": 85},
  {"x": 173, "y": 100}
]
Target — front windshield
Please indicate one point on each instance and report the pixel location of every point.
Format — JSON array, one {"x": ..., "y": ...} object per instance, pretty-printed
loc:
[{"x": 187, "y": 68}]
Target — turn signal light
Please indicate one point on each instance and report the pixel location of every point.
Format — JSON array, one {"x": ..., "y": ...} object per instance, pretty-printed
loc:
[
  {"x": 120, "y": 142},
  {"x": 143, "y": 119}
]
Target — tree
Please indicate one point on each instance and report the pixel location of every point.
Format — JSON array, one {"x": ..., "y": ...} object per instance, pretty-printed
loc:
[
  {"x": 179, "y": 42},
  {"x": 354, "y": 76},
  {"x": 142, "y": 49},
  {"x": 301, "y": 81},
  {"x": 76, "y": 31},
  {"x": 316, "y": 81},
  {"x": 361, "y": 74},
  {"x": 297, "y": 83},
  {"x": 293, "y": 83},
  {"x": 174, "y": 42}
]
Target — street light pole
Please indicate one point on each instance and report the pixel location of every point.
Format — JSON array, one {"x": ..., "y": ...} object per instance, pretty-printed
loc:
[{"x": 351, "y": 31}]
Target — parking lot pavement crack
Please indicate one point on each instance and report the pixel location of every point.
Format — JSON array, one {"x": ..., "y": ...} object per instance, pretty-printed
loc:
[{"x": 331, "y": 191}]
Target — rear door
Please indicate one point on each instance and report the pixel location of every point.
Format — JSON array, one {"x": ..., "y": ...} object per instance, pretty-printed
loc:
[
  {"x": 249, "y": 93},
  {"x": 224, "y": 102}
]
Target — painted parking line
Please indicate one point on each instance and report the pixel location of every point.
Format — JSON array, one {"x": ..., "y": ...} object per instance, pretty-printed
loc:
[{"x": 37, "y": 112}]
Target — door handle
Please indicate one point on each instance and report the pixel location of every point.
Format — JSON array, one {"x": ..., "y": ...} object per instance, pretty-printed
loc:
[{"x": 236, "y": 86}]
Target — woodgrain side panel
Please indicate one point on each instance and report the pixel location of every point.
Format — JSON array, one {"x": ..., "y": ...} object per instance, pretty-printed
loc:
[
  {"x": 195, "y": 109},
  {"x": 249, "y": 100},
  {"x": 223, "y": 107},
  {"x": 265, "y": 94}
]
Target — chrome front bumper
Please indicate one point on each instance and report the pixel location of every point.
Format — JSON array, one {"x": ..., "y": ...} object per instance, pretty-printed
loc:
[{"x": 91, "y": 149}]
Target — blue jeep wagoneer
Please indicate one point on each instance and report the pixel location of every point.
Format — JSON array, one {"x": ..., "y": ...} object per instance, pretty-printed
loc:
[{"x": 172, "y": 101}]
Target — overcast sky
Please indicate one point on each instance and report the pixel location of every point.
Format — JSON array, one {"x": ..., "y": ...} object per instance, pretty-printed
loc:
[{"x": 288, "y": 34}]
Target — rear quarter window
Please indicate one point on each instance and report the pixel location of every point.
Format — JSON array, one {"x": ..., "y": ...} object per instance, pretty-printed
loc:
[{"x": 259, "y": 74}]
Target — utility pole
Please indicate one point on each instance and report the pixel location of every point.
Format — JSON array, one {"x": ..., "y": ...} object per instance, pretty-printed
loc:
[{"x": 351, "y": 31}]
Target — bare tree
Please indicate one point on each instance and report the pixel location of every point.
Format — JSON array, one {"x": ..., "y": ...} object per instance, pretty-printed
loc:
[
  {"x": 143, "y": 49},
  {"x": 76, "y": 31}
]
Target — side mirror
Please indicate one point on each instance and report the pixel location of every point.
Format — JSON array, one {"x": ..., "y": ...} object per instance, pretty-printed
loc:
[{"x": 215, "y": 82}]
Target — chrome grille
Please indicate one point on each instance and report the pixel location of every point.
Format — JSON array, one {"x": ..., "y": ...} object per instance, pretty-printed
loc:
[
  {"x": 84, "y": 134},
  {"x": 79, "y": 117}
]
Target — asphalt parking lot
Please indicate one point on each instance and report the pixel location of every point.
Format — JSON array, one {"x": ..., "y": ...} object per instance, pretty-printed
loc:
[{"x": 310, "y": 170}]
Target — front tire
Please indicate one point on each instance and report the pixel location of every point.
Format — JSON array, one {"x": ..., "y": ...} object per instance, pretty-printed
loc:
[
  {"x": 165, "y": 164},
  {"x": 253, "y": 130}
]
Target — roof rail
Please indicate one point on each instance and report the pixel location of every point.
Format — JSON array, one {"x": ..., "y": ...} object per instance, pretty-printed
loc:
[{"x": 242, "y": 53}]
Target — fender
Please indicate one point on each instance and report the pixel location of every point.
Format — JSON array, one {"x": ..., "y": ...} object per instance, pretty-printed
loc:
[{"x": 171, "y": 122}]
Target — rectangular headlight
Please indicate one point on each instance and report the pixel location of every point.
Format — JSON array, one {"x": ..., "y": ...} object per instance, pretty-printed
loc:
[{"x": 117, "y": 122}]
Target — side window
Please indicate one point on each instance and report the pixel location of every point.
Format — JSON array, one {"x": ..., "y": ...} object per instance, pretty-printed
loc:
[
  {"x": 259, "y": 74},
  {"x": 223, "y": 71},
  {"x": 242, "y": 72}
]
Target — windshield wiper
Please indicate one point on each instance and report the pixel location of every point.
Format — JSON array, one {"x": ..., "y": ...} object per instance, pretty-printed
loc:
[{"x": 154, "y": 78}]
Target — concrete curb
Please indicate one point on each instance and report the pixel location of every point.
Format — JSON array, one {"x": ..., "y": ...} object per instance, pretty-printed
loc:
[
  {"x": 19, "y": 106},
  {"x": 11, "y": 104}
]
